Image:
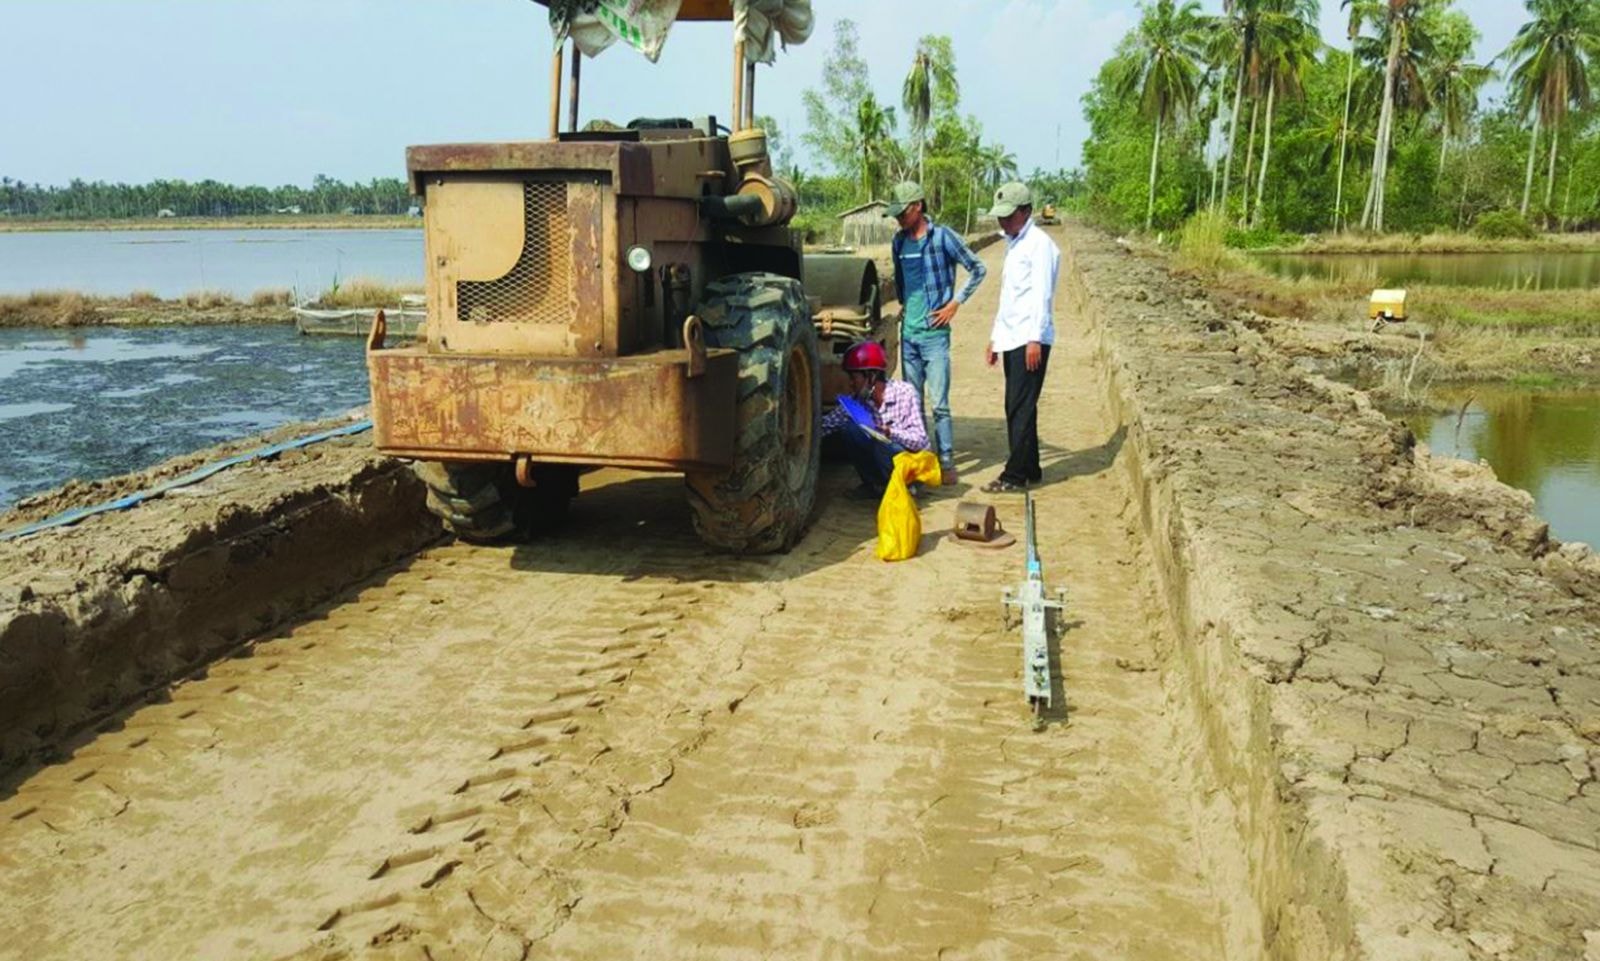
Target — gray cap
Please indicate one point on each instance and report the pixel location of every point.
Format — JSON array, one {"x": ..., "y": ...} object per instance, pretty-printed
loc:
[
  {"x": 1009, "y": 197},
  {"x": 906, "y": 193}
]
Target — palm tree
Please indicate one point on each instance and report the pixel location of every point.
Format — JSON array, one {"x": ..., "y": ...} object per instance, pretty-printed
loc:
[
  {"x": 1361, "y": 11},
  {"x": 1407, "y": 43},
  {"x": 1239, "y": 19},
  {"x": 1163, "y": 71},
  {"x": 917, "y": 95},
  {"x": 1289, "y": 42},
  {"x": 1549, "y": 60},
  {"x": 1453, "y": 83},
  {"x": 874, "y": 130},
  {"x": 990, "y": 164}
]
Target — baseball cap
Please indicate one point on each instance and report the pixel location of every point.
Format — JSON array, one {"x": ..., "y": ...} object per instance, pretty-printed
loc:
[
  {"x": 1009, "y": 197},
  {"x": 905, "y": 193}
]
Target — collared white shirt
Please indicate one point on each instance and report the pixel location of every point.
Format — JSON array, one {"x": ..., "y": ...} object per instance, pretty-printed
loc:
[{"x": 1027, "y": 291}]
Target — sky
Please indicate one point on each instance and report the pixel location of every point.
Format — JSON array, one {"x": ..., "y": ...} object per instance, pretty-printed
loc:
[{"x": 276, "y": 91}]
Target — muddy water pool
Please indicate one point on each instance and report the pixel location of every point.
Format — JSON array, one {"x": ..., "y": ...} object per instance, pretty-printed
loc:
[
  {"x": 1544, "y": 442},
  {"x": 1513, "y": 271},
  {"x": 171, "y": 263},
  {"x": 88, "y": 404}
]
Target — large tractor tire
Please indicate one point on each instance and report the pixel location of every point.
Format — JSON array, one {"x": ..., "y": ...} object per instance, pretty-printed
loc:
[
  {"x": 483, "y": 503},
  {"x": 762, "y": 504}
]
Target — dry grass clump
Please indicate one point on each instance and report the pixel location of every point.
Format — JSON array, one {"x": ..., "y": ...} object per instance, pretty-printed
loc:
[
  {"x": 47, "y": 308},
  {"x": 272, "y": 297},
  {"x": 207, "y": 299},
  {"x": 366, "y": 292},
  {"x": 143, "y": 298}
]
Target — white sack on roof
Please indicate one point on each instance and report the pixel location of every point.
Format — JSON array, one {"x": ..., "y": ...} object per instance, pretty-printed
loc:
[
  {"x": 644, "y": 24},
  {"x": 760, "y": 22}
]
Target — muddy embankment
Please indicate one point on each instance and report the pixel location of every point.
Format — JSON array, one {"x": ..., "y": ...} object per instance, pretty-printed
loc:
[
  {"x": 1398, "y": 672},
  {"x": 99, "y": 615}
]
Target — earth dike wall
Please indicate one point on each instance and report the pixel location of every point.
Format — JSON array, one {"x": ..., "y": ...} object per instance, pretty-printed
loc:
[
  {"x": 1396, "y": 671},
  {"x": 107, "y": 612}
]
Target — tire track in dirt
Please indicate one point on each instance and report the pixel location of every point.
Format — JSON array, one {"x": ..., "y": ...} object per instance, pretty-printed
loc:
[
  {"x": 613, "y": 740},
  {"x": 257, "y": 804},
  {"x": 785, "y": 778}
]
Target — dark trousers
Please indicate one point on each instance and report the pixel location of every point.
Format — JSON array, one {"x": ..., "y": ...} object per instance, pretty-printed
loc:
[
  {"x": 872, "y": 458},
  {"x": 1022, "y": 414}
]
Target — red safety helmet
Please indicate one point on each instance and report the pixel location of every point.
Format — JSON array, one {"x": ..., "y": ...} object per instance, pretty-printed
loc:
[{"x": 867, "y": 355}]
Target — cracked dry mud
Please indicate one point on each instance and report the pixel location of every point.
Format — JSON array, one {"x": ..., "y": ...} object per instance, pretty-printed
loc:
[
  {"x": 1328, "y": 699},
  {"x": 1422, "y": 661},
  {"x": 612, "y": 744}
]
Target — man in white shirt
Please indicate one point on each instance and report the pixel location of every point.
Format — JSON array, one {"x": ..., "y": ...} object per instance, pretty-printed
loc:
[{"x": 1023, "y": 331}]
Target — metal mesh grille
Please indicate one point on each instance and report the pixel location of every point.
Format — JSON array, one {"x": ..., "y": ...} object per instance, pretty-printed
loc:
[{"x": 538, "y": 288}]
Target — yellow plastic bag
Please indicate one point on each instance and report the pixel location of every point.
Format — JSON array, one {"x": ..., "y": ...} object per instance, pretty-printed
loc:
[{"x": 899, "y": 524}]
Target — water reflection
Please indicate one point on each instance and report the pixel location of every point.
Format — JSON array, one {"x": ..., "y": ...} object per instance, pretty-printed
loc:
[
  {"x": 1517, "y": 271},
  {"x": 1544, "y": 442}
]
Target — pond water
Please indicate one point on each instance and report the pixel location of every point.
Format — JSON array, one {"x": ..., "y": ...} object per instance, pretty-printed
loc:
[
  {"x": 171, "y": 263},
  {"x": 90, "y": 404},
  {"x": 1521, "y": 271},
  {"x": 1544, "y": 442}
]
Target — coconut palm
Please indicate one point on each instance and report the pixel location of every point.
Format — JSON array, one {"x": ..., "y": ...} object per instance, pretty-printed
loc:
[
  {"x": 1453, "y": 83},
  {"x": 929, "y": 71},
  {"x": 1163, "y": 71},
  {"x": 1240, "y": 19},
  {"x": 1406, "y": 43},
  {"x": 1361, "y": 12},
  {"x": 991, "y": 163},
  {"x": 873, "y": 134},
  {"x": 1550, "y": 58},
  {"x": 1288, "y": 42}
]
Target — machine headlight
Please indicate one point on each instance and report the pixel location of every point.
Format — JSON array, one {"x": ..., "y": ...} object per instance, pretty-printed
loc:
[{"x": 639, "y": 259}]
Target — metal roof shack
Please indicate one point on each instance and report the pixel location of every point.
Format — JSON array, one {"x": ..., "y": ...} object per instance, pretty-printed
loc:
[{"x": 867, "y": 224}]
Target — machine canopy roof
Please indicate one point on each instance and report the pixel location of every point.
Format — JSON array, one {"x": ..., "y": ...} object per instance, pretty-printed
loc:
[{"x": 594, "y": 25}]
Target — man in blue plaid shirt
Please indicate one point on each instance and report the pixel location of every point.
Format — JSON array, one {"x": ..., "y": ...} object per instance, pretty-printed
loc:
[{"x": 925, "y": 259}]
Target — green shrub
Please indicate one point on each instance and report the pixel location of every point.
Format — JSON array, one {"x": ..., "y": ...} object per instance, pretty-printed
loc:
[
  {"x": 1503, "y": 225},
  {"x": 1256, "y": 238}
]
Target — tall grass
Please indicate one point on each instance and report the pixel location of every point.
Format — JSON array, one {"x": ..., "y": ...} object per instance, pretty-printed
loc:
[
  {"x": 1203, "y": 243},
  {"x": 272, "y": 297},
  {"x": 47, "y": 308},
  {"x": 366, "y": 292},
  {"x": 208, "y": 299}
]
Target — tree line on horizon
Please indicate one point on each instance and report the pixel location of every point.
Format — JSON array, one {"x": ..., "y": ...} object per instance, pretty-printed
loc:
[
  {"x": 97, "y": 200},
  {"x": 862, "y": 143},
  {"x": 1250, "y": 116}
]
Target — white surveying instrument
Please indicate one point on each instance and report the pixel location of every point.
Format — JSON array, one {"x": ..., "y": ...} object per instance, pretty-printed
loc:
[{"x": 1040, "y": 609}]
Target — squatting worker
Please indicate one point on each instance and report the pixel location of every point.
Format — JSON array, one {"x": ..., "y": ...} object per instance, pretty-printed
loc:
[
  {"x": 925, "y": 259},
  {"x": 896, "y": 412},
  {"x": 1023, "y": 331}
]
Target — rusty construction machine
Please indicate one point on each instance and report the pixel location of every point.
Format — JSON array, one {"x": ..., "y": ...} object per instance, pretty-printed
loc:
[{"x": 626, "y": 297}]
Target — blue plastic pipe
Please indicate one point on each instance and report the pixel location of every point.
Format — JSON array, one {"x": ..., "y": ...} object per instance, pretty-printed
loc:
[{"x": 195, "y": 476}]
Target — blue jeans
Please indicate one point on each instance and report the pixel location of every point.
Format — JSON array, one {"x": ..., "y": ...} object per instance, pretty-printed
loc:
[
  {"x": 928, "y": 359},
  {"x": 872, "y": 458}
]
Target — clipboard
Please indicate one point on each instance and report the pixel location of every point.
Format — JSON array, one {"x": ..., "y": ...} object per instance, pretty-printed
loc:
[{"x": 863, "y": 418}]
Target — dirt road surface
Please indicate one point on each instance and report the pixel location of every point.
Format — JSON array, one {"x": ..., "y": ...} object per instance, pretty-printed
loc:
[{"x": 612, "y": 744}]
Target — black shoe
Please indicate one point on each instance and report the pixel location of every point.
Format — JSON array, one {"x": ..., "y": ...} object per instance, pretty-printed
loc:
[{"x": 1002, "y": 486}]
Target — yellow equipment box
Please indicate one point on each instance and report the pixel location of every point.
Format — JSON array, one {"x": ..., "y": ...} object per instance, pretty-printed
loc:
[{"x": 1389, "y": 305}]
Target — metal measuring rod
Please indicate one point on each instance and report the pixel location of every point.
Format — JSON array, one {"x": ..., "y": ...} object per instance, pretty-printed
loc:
[{"x": 1040, "y": 609}]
